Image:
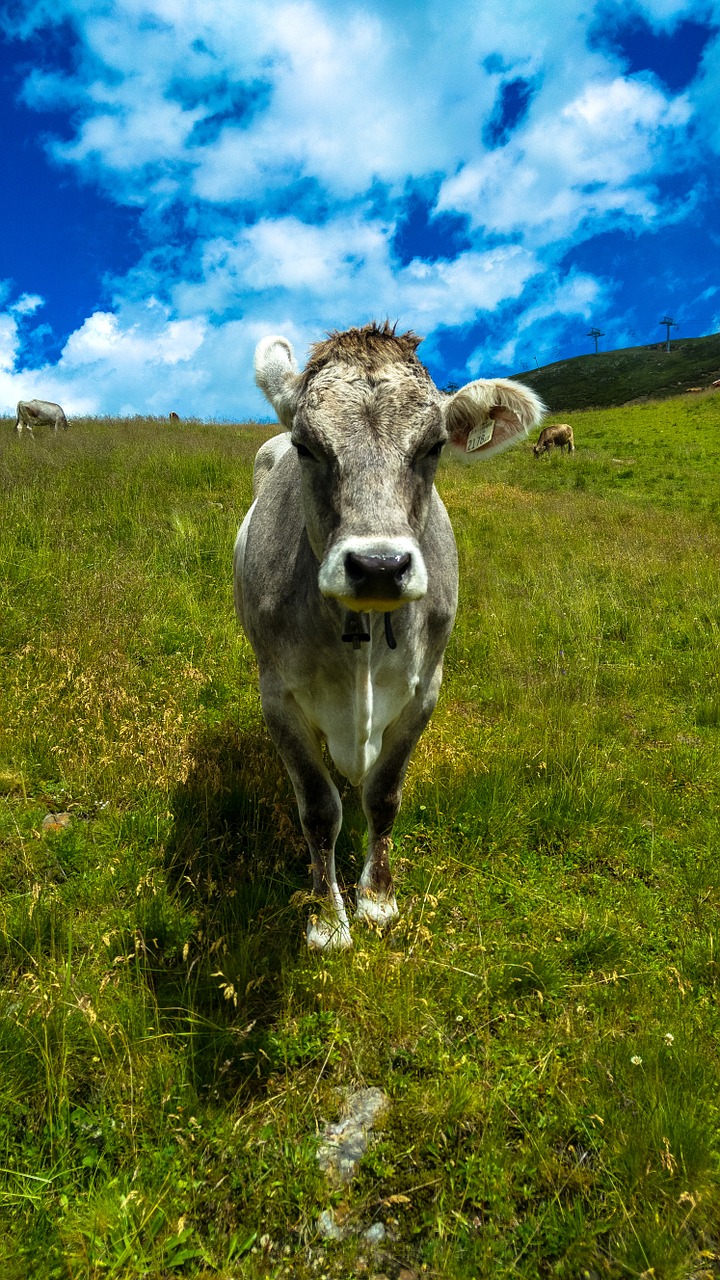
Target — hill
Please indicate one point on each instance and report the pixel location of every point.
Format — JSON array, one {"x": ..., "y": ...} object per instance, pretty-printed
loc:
[{"x": 635, "y": 373}]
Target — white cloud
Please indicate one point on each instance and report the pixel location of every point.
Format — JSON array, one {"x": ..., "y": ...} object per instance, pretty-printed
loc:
[
  {"x": 344, "y": 270},
  {"x": 595, "y": 162},
  {"x": 9, "y": 343},
  {"x": 102, "y": 337},
  {"x": 27, "y": 304},
  {"x": 576, "y": 295},
  {"x": 541, "y": 327}
]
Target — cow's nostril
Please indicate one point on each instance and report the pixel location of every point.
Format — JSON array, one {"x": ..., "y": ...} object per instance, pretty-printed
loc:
[{"x": 377, "y": 571}]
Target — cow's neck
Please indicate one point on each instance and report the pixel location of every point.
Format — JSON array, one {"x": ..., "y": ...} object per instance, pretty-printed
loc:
[{"x": 356, "y": 630}]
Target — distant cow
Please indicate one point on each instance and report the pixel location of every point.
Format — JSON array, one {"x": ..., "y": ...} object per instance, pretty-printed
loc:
[
  {"x": 174, "y": 417},
  {"x": 346, "y": 579},
  {"x": 716, "y": 383},
  {"x": 555, "y": 438},
  {"x": 33, "y": 412}
]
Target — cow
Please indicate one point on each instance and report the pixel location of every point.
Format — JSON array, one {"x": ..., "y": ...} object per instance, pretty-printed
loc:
[
  {"x": 346, "y": 579},
  {"x": 716, "y": 383},
  {"x": 42, "y": 412},
  {"x": 174, "y": 417},
  {"x": 555, "y": 438}
]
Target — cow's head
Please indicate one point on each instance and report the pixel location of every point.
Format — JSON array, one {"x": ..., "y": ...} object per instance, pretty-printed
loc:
[{"x": 368, "y": 425}]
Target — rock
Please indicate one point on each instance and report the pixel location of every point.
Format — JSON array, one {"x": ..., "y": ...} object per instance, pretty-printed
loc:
[
  {"x": 329, "y": 1228},
  {"x": 56, "y": 821},
  {"x": 375, "y": 1234},
  {"x": 345, "y": 1143}
]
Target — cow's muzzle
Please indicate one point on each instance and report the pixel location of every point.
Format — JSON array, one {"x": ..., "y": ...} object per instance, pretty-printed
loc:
[{"x": 376, "y": 575}]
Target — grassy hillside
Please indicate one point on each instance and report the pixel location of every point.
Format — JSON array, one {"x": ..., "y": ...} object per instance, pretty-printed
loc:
[
  {"x": 544, "y": 1016},
  {"x": 617, "y": 377}
]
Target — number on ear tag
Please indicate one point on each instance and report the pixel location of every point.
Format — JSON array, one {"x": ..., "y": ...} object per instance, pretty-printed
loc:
[{"x": 480, "y": 435}]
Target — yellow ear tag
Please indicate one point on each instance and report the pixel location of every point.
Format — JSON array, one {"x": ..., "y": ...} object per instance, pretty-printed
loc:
[{"x": 480, "y": 435}]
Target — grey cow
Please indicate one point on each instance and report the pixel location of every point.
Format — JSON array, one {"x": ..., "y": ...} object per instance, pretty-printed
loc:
[
  {"x": 557, "y": 437},
  {"x": 346, "y": 579},
  {"x": 33, "y": 412}
]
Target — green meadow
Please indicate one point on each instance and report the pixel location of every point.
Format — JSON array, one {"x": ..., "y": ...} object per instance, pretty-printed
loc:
[{"x": 544, "y": 1015}]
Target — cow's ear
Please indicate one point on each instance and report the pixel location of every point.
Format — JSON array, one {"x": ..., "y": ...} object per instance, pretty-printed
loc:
[
  {"x": 276, "y": 374},
  {"x": 489, "y": 415}
]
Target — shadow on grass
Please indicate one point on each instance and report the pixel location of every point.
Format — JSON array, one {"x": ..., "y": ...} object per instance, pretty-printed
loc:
[
  {"x": 237, "y": 860},
  {"x": 234, "y": 816}
]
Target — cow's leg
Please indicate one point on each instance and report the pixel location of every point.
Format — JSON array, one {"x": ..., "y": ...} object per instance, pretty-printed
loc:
[
  {"x": 382, "y": 793},
  {"x": 320, "y": 816}
]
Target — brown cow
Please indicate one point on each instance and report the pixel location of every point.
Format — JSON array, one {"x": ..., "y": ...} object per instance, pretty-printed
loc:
[
  {"x": 174, "y": 417},
  {"x": 555, "y": 438}
]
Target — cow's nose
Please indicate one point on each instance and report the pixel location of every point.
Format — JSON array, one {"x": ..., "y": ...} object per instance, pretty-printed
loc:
[{"x": 380, "y": 576}]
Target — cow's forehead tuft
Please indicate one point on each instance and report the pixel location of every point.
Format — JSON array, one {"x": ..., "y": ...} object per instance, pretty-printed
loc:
[{"x": 369, "y": 351}]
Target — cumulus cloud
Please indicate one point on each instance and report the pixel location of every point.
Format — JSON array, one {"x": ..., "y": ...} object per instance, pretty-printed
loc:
[
  {"x": 345, "y": 269},
  {"x": 272, "y": 151},
  {"x": 102, "y": 337},
  {"x": 594, "y": 165}
]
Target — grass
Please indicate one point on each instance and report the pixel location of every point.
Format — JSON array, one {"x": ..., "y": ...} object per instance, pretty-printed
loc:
[
  {"x": 544, "y": 1016},
  {"x": 630, "y": 374}
]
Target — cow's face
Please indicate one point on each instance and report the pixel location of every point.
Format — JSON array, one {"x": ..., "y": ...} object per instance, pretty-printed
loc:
[
  {"x": 368, "y": 426},
  {"x": 368, "y": 451}
]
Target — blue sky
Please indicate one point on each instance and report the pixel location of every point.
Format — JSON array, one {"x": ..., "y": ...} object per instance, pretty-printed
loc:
[{"x": 182, "y": 179}]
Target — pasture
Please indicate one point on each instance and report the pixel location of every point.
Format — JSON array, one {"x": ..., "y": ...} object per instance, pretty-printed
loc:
[{"x": 543, "y": 1016}]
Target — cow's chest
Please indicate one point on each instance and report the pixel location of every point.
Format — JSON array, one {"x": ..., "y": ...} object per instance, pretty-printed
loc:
[{"x": 353, "y": 705}]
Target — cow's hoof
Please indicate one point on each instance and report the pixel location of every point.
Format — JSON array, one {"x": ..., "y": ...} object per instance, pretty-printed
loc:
[
  {"x": 375, "y": 910},
  {"x": 328, "y": 935}
]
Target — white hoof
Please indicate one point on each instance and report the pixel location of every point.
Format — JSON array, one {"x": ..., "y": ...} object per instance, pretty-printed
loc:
[
  {"x": 328, "y": 935},
  {"x": 375, "y": 909}
]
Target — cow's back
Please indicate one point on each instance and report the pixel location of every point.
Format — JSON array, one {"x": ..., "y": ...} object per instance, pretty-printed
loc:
[
  {"x": 266, "y": 457},
  {"x": 278, "y": 571}
]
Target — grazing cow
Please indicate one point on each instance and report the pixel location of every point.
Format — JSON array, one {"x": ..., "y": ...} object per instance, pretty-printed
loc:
[
  {"x": 716, "y": 383},
  {"x": 174, "y": 417},
  {"x": 44, "y": 412},
  {"x": 555, "y": 438},
  {"x": 345, "y": 574}
]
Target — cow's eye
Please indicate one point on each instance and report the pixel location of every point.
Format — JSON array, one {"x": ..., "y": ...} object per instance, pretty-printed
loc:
[
  {"x": 433, "y": 452},
  {"x": 302, "y": 450}
]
